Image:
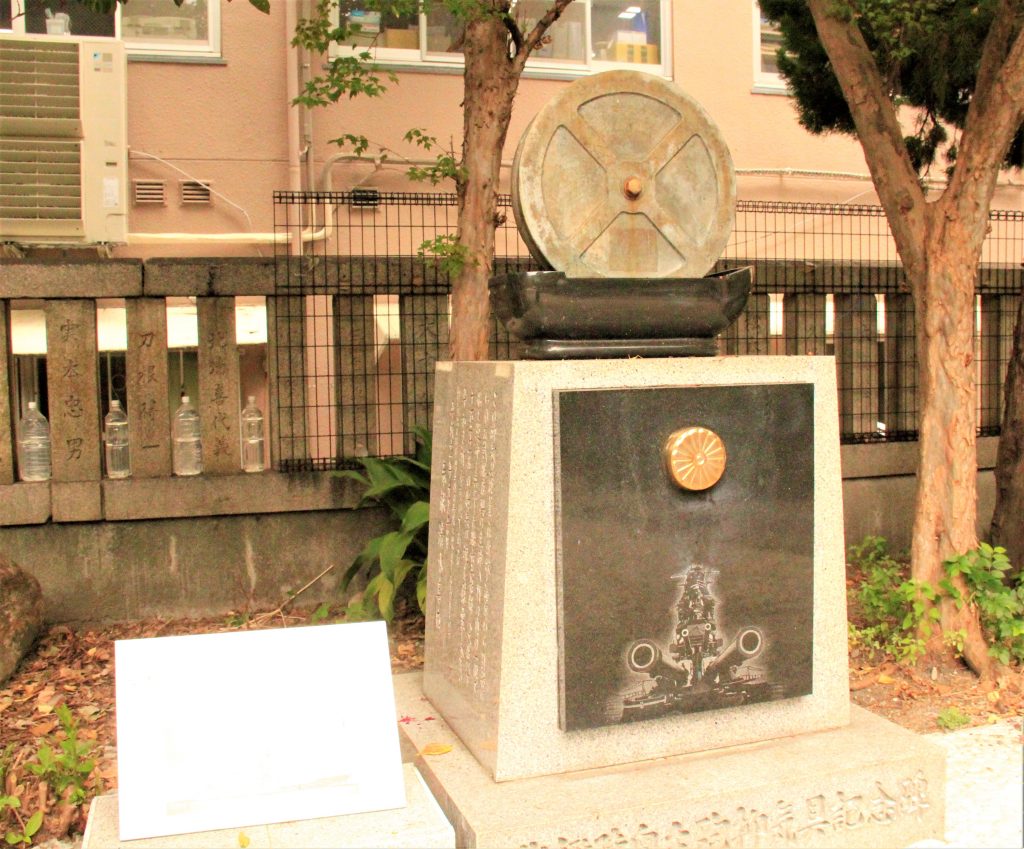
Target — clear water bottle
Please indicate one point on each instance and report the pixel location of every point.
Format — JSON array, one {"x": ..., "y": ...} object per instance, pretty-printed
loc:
[
  {"x": 252, "y": 437},
  {"x": 188, "y": 447},
  {"x": 34, "y": 446},
  {"x": 115, "y": 441}
]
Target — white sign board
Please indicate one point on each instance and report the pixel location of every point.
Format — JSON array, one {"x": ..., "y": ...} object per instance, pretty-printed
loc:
[{"x": 255, "y": 727}]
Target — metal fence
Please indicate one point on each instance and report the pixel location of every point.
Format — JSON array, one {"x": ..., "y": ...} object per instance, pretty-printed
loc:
[{"x": 360, "y": 316}]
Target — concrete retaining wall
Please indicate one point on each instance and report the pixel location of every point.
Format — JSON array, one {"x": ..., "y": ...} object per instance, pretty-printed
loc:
[{"x": 188, "y": 567}]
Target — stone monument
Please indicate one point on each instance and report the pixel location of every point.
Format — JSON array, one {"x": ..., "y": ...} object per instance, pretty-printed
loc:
[{"x": 636, "y": 618}]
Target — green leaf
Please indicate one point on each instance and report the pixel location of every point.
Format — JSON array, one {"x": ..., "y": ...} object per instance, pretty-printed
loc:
[
  {"x": 421, "y": 589},
  {"x": 416, "y": 517},
  {"x": 392, "y": 552},
  {"x": 13, "y": 838},
  {"x": 33, "y": 824},
  {"x": 320, "y": 613},
  {"x": 262, "y": 5},
  {"x": 386, "y": 598}
]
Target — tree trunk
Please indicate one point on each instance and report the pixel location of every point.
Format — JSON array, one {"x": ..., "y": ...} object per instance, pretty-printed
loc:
[
  {"x": 946, "y": 511},
  {"x": 1008, "y": 519},
  {"x": 490, "y": 88}
]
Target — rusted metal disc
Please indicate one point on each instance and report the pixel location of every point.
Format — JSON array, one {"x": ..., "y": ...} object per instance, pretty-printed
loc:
[{"x": 624, "y": 175}]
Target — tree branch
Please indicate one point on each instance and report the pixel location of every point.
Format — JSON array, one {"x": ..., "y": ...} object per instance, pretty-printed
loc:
[
  {"x": 514, "y": 32},
  {"x": 874, "y": 117},
  {"x": 537, "y": 33},
  {"x": 994, "y": 114}
]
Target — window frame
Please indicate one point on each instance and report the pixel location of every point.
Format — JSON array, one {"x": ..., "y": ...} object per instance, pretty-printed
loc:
[
  {"x": 135, "y": 47},
  {"x": 211, "y": 48},
  {"x": 765, "y": 82},
  {"x": 421, "y": 59}
]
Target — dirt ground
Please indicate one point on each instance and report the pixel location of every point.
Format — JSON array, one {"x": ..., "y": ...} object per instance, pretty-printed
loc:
[{"x": 75, "y": 667}]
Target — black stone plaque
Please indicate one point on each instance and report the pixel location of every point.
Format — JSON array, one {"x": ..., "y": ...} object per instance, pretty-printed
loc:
[{"x": 676, "y": 601}]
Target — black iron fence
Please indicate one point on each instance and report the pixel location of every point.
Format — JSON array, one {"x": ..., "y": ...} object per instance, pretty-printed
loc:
[{"x": 361, "y": 316}]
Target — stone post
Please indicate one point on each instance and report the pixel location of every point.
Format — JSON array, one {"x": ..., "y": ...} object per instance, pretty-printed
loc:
[
  {"x": 856, "y": 345},
  {"x": 424, "y": 334},
  {"x": 148, "y": 407},
  {"x": 355, "y": 367},
  {"x": 900, "y": 365},
  {"x": 6, "y": 419},
  {"x": 72, "y": 380},
  {"x": 803, "y": 319},
  {"x": 219, "y": 417},
  {"x": 286, "y": 363}
]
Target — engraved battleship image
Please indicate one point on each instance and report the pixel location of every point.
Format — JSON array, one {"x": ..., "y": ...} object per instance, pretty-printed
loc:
[{"x": 701, "y": 674}]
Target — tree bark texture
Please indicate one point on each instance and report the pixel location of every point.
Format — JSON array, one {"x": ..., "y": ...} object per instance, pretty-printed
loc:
[
  {"x": 946, "y": 507},
  {"x": 939, "y": 242},
  {"x": 490, "y": 88},
  {"x": 1008, "y": 518}
]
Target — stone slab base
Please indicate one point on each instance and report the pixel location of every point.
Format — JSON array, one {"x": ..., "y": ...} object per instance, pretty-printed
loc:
[
  {"x": 869, "y": 784},
  {"x": 420, "y": 824}
]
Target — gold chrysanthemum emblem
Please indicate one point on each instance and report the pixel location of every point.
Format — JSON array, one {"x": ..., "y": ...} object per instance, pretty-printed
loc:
[{"x": 695, "y": 458}]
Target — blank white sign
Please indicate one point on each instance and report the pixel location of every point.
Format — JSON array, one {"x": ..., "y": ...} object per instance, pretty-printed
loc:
[{"x": 255, "y": 727}]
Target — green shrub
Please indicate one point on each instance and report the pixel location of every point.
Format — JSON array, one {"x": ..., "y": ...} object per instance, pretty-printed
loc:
[
  {"x": 396, "y": 561},
  {"x": 64, "y": 764},
  {"x": 896, "y": 609},
  {"x": 1000, "y": 601}
]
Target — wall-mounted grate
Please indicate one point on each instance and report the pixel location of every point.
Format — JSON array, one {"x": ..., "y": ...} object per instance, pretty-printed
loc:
[
  {"x": 196, "y": 192},
  {"x": 149, "y": 192}
]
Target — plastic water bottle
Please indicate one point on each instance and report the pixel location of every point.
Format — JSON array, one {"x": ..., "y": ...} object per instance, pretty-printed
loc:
[
  {"x": 34, "y": 446},
  {"x": 188, "y": 449},
  {"x": 252, "y": 437},
  {"x": 115, "y": 441}
]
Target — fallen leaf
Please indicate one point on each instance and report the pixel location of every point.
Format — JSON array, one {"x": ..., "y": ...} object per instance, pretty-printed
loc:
[
  {"x": 886, "y": 679},
  {"x": 993, "y": 696},
  {"x": 4, "y": 704},
  {"x": 243, "y": 839},
  {"x": 428, "y": 719},
  {"x": 436, "y": 749},
  {"x": 405, "y": 720},
  {"x": 43, "y": 728}
]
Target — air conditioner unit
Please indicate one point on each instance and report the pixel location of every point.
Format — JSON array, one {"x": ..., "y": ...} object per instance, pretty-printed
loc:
[{"x": 63, "y": 144}]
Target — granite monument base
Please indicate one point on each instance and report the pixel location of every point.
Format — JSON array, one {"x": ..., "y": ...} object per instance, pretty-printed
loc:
[
  {"x": 419, "y": 825},
  {"x": 869, "y": 784},
  {"x": 567, "y": 567}
]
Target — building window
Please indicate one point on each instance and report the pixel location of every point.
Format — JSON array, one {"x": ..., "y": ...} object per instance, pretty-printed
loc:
[
  {"x": 767, "y": 41},
  {"x": 158, "y": 27},
  {"x": 591, "y": 35},
  {"x": 150, "y": 27}
]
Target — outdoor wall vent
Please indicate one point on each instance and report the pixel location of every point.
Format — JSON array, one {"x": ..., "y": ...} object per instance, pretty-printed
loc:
[
  {"x": 149, "y": 192},
  {"x": 367, "y": 198},
  {"x": 196, "y": 192}
]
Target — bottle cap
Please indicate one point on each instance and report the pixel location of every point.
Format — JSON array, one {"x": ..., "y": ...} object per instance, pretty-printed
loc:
[
  {"x": 250, "y": 399},
  {"x": 184, "y": 399},
  {"x": 115, "y": 404},
  {"x": 31, "y": 405}
]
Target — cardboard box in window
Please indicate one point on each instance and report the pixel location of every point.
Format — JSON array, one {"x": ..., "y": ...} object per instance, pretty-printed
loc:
[
  {"x": 629, "y": 36},
  {"x": 407, "y": 39},
  {"x": 646, "y": 54}
]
